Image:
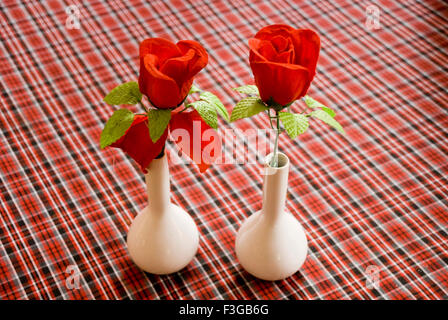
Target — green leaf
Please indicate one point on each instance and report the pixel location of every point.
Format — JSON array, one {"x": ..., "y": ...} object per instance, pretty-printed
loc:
[
  {"x": 328, "y": 119},
  {"x": 194, "y": 89},
  {"x": 126, "y": 93},
  {"x": 247, "y": 107},
  {"x": 207, "y": 111},
  {"x": 294, "y": 124},
  {"x": 329, "y": 111},
  {"x": 214, "y": 100},
  {"x": 116, "y": 127},
  {"x": 158, "y": 120},
  {"x": 310, "y": 102},
  {"x": 248, "y": 89}
]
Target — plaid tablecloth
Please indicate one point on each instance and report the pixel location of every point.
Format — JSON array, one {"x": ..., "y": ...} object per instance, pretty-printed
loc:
[{"x": 373, "y": 203}]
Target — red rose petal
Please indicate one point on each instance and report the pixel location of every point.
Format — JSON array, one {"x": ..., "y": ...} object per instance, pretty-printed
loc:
[
  {"x": 167, "y": 70},
  {"x": 283, "y": 61},
  {"x": 137, "y": 143},
  {"x": 196, "y": 144}
]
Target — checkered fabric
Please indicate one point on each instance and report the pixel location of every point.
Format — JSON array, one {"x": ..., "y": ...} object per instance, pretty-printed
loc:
[{"x": 373, "y": 202}]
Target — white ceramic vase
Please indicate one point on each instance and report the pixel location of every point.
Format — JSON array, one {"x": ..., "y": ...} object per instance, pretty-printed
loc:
[
  {"x": 163, "y": 238},
  {"x": 271, "y": 244}
]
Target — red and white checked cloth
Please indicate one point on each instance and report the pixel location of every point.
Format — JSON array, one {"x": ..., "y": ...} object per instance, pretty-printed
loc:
[{"x": 375, "y": 199}]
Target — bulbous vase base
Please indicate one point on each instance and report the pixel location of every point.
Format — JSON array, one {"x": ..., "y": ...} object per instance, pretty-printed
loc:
[
  {"x": 271, "y": 250},
  {"x": 163, "y": 242}
]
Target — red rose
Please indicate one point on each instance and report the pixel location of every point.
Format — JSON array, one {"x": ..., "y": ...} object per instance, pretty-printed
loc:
[
  {"x": 283, "y": 61},
  {"x": 167, "y": 70},
  {"x": 137, "y": 143},
  {"x": 195, "y": 126}
]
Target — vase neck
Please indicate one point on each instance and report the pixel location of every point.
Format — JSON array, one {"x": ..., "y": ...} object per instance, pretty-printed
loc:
[
  {"x": 158, "y": 185},
  {"x": 275, "y": 187}
]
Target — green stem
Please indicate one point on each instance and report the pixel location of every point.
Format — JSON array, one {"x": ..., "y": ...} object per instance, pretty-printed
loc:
[
  {"x": 184, "y": 109},
  {"x": 274, "y": 160},
  {"x": 270, "y": 118},
  {"x": 144, "y": 108}
]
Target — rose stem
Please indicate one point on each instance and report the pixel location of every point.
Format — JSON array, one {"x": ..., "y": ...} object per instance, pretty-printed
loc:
[
  {"x": 143, "y": 106},
  {"x": 274, "y": 161},
  {"x": 184, "y": 109}
]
